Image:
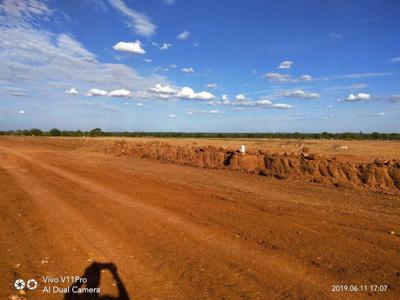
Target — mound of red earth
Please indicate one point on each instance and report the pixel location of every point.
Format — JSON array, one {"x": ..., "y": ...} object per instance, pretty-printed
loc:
[{"x": 378, "y": 176}]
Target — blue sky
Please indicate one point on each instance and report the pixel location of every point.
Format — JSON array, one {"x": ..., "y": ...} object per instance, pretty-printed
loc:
[{"x": 199, "y": 65}]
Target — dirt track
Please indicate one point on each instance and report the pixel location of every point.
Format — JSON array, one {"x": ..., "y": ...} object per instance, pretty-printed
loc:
[{"x": 176, "y": 232}]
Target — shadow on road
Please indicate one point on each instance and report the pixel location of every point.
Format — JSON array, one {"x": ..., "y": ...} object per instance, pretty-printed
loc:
[{"x": 93, "y": 275}]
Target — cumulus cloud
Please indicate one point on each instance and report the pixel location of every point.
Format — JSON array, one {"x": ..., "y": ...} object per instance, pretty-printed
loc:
[
  {"x": 172, "y": 116},
  {"x": 188, "y": 93},
  {"x": 277, "y": 77},
  {"x": 251, "y": 103},
  {"x": 119, "y": 93},
  {"x": 286, "y": 64},
  {"x": 211, "y": 85},
  {"x": 285, "y": 78},
  {"x": 214, "y": 111},
  {"x": 301, "y": 94},
  {"x": 139, "y": 104},
  {"x": 96, "y": 92},
  {"x": 148, "y": 60},
  {"x": 190, "y": 113},
  {"x": 183, "y": 35},
  {"x": 140, "y": 22},
  {"x": 32, "y": 56},
  {"x": 163, "y": 46},
  {"x": 187, "y": 70},
  {"x": 135, "y": 47},
  {"x": 22, "y": 112},
  {"x": 304, "y": 78},
  {"x": 163, "y": 89},
  {"x": 240, "y": 97},
  {"x": 71, "y": 91},
  {"x": 225, "y": 98},
  {"x": 282, "y": 106},
  {"x": 167, "y": 92},
  {"x": 358, "y": 97}
]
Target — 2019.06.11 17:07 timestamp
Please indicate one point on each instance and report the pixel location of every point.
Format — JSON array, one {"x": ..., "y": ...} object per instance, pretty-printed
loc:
[{"x": 359, "y": 288}]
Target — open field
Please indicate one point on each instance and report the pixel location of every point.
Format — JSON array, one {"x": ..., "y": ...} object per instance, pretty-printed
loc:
[{"x": 180, "y": 232}]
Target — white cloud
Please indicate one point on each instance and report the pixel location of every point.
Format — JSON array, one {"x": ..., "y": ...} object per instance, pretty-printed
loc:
[
  {"x": 305, "y": 78},
  {"x": 163, "y": 46},
  {"x": 135, "y": 47},
  {"x": 214, "y": 111},
  {"x": 67, "y": 44},
  {"x": 25, "y": 9},
  {"x": 187, "y": 70},
  {"x": 225, "y": 98},
  {"x": 139, "y": 104},
  {"x": 71, "y": 91},
  {"x": 148, "y": 60},
  {"x": 31, "y": 55},
  {"x": 172, "y": 66},
  {"x": 189, "y": 113},
  {"x": 188, "y": 93},
  {"x": 119, "y": 93},
  {"x": 284, "y": 78},
  {"x": 96, "y": 92},
  {"x": 22, "y": 112},
  {"x": 259, "y": 103},
  {"x": 358, "y": 97},
  {"x": 172, "y": 116},
  {"x": 282, "y": 106},
  {"x": 139, "y": 21},
  {"x": 19, "y": 94},
  {"x": 301, "y": 94},
  {"x": 240, "y": 97},
  {"x": 183, "y": 35},
  {"x": 395, "y": 60},
  {"x": 286, "y": 64},
  {"x": 277, "y": 77},
  {"x": 163, "y": 89},
  {"x": 211, "y": 85}
]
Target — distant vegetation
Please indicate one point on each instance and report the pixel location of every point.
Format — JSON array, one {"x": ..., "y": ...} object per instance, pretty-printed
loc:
[{"x": 97, "y": 132}]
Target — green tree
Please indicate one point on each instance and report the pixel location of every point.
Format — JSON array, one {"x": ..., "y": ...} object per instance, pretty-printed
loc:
[
  {"x": 36, "y": 132},
  {"x": 96, "y": 132},
  {"x": 55, "y": 132}
]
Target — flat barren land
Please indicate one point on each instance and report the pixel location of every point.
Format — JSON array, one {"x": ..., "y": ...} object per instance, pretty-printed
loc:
[{"x": 195, "y": 219}]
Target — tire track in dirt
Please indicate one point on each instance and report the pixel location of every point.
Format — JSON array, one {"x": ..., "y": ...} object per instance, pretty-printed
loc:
[
  {"x": 260, "y": 261},
  {"x": 92, "y": 241},
  {"x": 257, "y": 259}
]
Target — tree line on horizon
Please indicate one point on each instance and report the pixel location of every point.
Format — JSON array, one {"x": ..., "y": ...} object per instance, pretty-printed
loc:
[{"x": 97, "y": 132}]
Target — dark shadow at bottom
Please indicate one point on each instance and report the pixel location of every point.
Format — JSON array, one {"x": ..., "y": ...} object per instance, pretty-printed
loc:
[{"x": 93, "y": 275}]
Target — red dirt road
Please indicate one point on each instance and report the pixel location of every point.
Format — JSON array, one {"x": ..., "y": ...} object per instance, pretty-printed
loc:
[{"x": 176, "y": 232}]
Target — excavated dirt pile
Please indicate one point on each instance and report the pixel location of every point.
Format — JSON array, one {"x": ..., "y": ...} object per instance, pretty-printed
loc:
[{"x": 378, "y": 176}]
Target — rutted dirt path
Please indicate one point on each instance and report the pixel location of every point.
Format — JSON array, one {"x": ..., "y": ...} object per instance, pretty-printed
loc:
[{"x": 176, "y": 232}]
